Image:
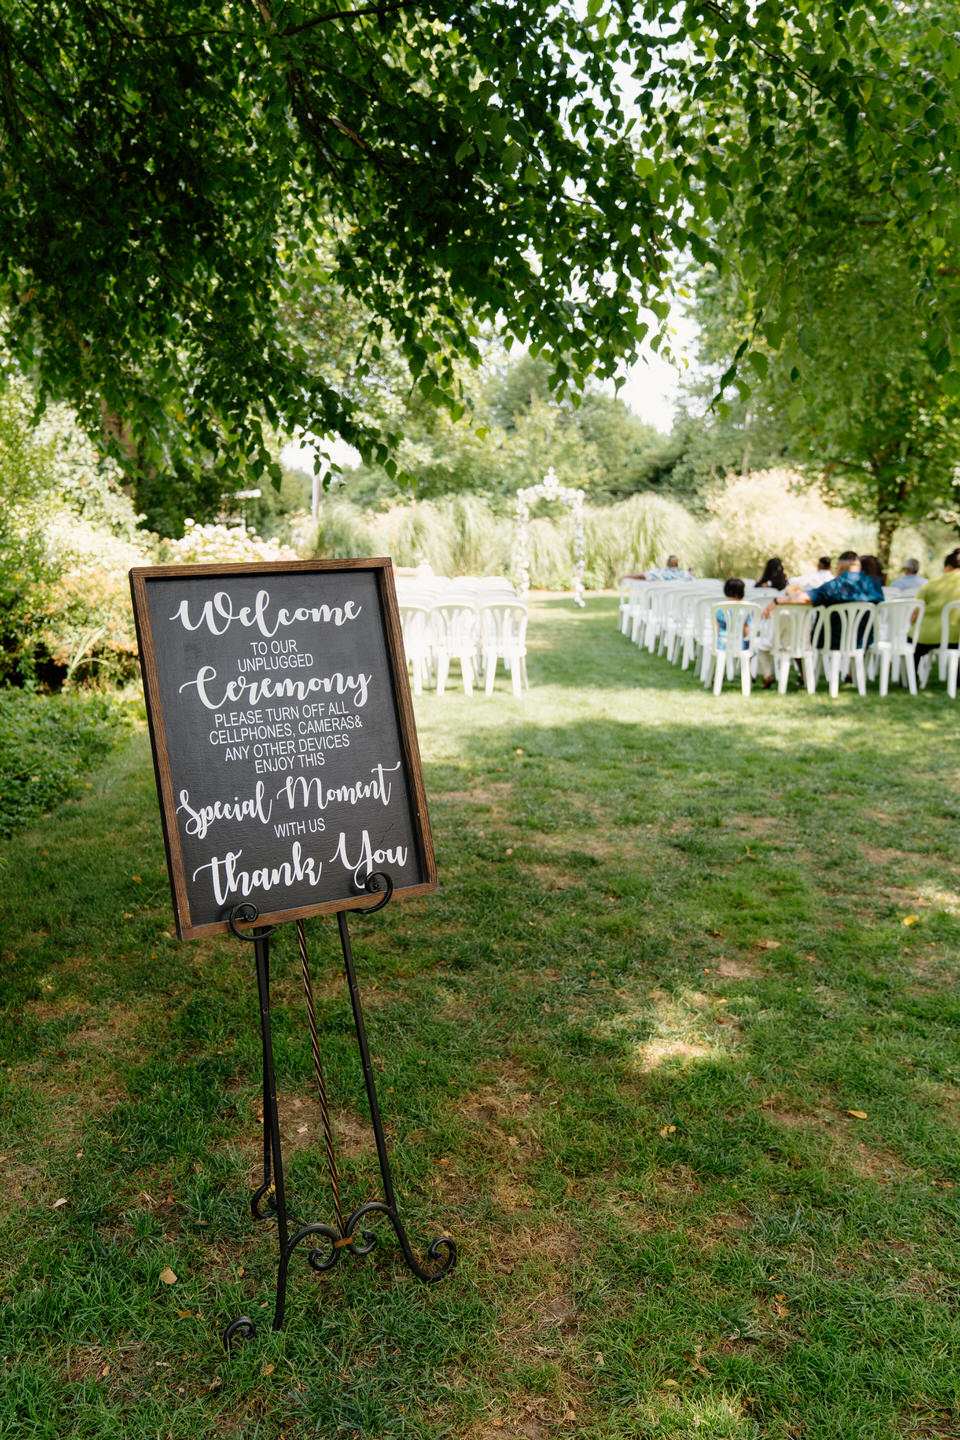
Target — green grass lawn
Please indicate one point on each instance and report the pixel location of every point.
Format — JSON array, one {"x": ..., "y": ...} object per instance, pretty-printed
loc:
[{"x": 672, "y": 1055}]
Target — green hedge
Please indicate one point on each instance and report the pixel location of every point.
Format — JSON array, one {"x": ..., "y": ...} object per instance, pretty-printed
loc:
[{"x": 48, "y": 744}]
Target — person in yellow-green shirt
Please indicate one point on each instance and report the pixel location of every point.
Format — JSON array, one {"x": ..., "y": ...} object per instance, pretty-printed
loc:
[{"x": 935, "y": 595}]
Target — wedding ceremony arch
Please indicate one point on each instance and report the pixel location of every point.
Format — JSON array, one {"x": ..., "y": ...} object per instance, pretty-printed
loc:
[{"x": 549, "y": 488}]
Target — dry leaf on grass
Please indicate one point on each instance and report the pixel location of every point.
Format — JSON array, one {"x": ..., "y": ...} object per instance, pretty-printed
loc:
[
  {"x": 167, "y": 1276},
  {"x": 858, "y": 1114},
  {"x": 769, "y": 944}
]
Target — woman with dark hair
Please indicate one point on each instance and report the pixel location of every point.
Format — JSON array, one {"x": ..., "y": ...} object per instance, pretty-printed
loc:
[
  {"x": 774, "y": 576},
  {"x": 870, "y": 565}
]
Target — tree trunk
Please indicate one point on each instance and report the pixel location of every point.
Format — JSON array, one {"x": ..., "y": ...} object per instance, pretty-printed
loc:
[{"x": 886, "y": 529}]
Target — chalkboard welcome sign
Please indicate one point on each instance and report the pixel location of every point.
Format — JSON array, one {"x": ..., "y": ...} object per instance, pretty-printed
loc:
[{"x": 283, "y": 737}]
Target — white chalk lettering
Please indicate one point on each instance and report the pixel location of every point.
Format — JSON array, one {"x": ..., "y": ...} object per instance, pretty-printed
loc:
[
  {"x": 228, "y": 880},
  {"x": 219, "y": 614},
  {"x": 314, "y": 795},
  {"x": 199, "y": 819},
  {"x": 267, "y": 689},
  {"x": 368, "y": 858}
]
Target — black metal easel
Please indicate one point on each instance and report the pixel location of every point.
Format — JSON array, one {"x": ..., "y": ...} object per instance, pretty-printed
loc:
[{"x": 345, "y": 1236}]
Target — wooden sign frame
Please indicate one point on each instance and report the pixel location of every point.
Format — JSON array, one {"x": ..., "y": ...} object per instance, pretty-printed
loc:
[{"x": 157, "y": 593}]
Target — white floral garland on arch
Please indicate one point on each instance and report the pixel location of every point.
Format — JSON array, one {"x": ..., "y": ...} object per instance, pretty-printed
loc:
[{"x": 550, "y": 489}]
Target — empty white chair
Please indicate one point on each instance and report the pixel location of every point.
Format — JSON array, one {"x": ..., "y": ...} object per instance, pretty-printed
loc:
[
  {"x": 416, "y": 624},
  {"x": 503, "y": 633},
  {"x": 895, "y": 641},
  {"x": 456, "y": 635},
  {"x": 658, "y": 599}
]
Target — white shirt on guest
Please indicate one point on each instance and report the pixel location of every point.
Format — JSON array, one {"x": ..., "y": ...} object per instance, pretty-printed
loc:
[{"x": 814, "y": 581}]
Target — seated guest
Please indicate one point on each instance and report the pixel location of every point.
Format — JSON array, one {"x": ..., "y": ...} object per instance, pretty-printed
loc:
[
  {"x": 670, "y": 571},
  {"x": 935, "y": 595},
  {"x": 870, "y": 565},
  {"x": 816, "y": 578},
  {"x": 909, "y": 581},
  {"x": 734, "y": 589},
  {"x": 850, "y": 583},
  {"x": 774, "y": 576}
]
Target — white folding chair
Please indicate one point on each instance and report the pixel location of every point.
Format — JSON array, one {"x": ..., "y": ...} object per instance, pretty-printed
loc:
[
  {"x": 947, "y": 659},
  {"x": 792, "y": 639},
  {"x": 503, "y": 633},
  {"x": 456, "y": 636},
  {"x": 417, "y": 627},
  {"x": 733, "y": 644},
  {"x": 847, "y": 633},
  {"x": 895, "y": 641}
]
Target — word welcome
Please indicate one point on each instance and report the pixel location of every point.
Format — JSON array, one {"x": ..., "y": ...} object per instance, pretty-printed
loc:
[{"x": 218, "y": 614}]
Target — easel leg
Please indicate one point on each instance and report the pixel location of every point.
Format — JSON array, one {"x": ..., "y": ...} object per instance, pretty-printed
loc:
[{"x": 442, "y": 1246}]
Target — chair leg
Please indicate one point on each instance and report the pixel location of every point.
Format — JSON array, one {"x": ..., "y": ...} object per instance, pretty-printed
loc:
[
  {"x": 782, "y": 666},
  {"x": 720, "y": 666},
  {"x": 910, "y": 666},
  {"x": 884, "y": 673},
  {"x": 517, "y": 675},
  {"x": 443, "y": 670},
  {"x": 466, "y": 670},
  {"x": 745, "y": 675},
  {"x": 953, "y": 663},
  {"x": 861, "y": 670}
]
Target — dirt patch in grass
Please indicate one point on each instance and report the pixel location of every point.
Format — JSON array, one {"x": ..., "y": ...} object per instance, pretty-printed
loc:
[
  {"x": 92, "y": 1362},
  {"x": 549, "y": 878},
  {"x": 301, "y": 1128},
  {"x": 717, "y": 1229},
  {"x": 656, "y": 1052},
  {"x": 779, "y": 1110},
  {"x": 495, "y": 1102},
  {"x": 506, "y": 1070},
  {"x": 754, "y": 824},
  {"x": 729, "y": 969},
  {"x": 885, "y": 855},
  {"x": 492, "y": 798},
  {"x": 554, "y": 1245},
  {"x": 679, "y": 1183},
  {"x": 597, "y": 844},
  {"x": 875, "y": 1164},
  {"x": 636, "y": 1215},
  {"x": 16, "y": 1180},
  {"x": 353, "y": 1137}
]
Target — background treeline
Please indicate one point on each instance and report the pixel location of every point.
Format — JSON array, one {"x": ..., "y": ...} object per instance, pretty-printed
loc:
[{"x": 69, "y": 529}]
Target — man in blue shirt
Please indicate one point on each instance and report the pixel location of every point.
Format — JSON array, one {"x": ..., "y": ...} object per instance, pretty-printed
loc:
[
  {"x": 850, "y": 583},
  {"x": 910, "y": 581}
]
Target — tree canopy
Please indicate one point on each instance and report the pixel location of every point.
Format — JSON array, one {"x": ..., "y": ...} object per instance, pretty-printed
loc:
[
  {"x": 181, "y": 179},
  {"x": 862, "y": 387}
]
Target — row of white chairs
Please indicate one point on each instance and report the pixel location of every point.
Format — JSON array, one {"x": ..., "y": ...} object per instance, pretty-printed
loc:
[
  {"x": 474, "y": 621},
  {"x": 693, "y": 623}
]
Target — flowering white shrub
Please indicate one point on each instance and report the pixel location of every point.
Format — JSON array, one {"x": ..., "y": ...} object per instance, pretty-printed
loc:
[
  {"x": 776, "y": 512},
  {"x": 222, "y": 544},
  {"x": 87, "y": 622}
]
